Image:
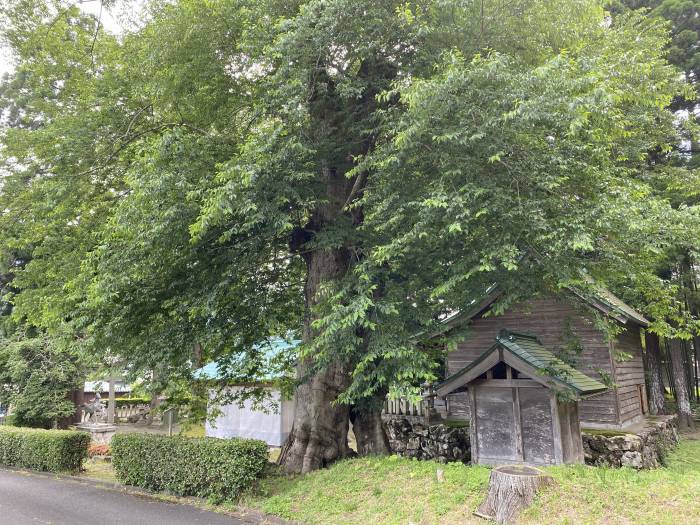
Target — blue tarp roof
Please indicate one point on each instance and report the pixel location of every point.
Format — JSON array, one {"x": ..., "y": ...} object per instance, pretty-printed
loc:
[{"x": 272, "y": 348}]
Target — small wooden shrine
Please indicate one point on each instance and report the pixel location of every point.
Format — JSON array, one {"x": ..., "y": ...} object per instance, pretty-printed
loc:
[{"x": 524, "y": 403}]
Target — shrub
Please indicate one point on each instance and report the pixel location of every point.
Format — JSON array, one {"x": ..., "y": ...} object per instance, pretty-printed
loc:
[
  {"x": 46, "y": 450},
  {"x": 212, "y": 468},
  {"x": 126, "y": 401},
  {"x": 99, "y": 449}
]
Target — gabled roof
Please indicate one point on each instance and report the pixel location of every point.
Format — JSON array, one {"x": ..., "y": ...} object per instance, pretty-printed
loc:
[
  {"x": 609, "y": 304},
  {"x": 526, "y": 354},
  {"x": 601, "y": 299},
  {"x": 272, "y": 348}
]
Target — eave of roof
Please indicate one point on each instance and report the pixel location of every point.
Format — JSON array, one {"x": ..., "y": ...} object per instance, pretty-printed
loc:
[
  {"x": 604, "y": 301},
  {"x": 526, "y": 349}
]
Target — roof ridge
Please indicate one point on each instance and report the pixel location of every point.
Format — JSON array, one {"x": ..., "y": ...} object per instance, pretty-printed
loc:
[{"x": 505, "y": 333}]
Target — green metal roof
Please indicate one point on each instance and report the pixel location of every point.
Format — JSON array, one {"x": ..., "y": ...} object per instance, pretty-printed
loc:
[
  {"x": 529, "y": 350},
  {"x": 271, "y": 349}
]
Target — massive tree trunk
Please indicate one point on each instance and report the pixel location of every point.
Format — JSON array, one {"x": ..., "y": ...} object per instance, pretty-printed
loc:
[
  {"x": 368, "y": 427},
  {"x": 696, "y": 364},
  {"x": 654, "y": 378},
  {"x": 320, "y": 432},
  {"x": 685, "y": 415}
]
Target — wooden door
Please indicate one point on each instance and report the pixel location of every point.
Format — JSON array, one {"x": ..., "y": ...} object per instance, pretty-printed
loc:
[
  {"x": 494, "y": 419},
  {"x": 513, "y": 425},
  {"x": 536, "y": 420}
]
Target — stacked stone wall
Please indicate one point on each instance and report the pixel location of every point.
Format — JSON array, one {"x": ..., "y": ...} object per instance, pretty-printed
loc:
[
  {"x": 642, "y": 448},
  {"x": 412, "y": 438},
  {"x": 646, "y": 448}
]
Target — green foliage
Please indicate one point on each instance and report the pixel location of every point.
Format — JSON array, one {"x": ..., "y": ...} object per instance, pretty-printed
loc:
[
  {"x": 126, "y": 401},
  {"x": 38, "y": 375},
  {"x": 45, "y": 450},
  {"x": 684, "y": 23},
  {"x": 205, "y": 467},
  {"x": 171, "y": 188}
]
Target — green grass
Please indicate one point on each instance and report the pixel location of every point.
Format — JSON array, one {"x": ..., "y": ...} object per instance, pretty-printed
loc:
[
  {"x": 389, "y": 490},
  {"x": 99, "y": 469},
  {"x": 193, "y": 431},
  {"x": 393, "y": 490},
  {"x": 587, "y": 495}
]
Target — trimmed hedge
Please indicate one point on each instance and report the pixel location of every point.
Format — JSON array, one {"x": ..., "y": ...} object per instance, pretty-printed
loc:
[
  {"x": 219, "y": 469},
  {"x": 46, "y": 450}
]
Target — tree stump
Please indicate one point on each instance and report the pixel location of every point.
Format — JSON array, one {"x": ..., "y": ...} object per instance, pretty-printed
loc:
[{"x": 511, "y": 489}]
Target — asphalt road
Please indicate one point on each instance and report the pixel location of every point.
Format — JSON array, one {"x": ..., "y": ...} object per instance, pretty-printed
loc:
[{"x": 36, "y": 499}]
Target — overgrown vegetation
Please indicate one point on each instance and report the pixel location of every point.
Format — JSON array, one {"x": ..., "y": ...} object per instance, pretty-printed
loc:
[
  {"x": 45, "y": 450},
  {"x": 218, "y": 469}
]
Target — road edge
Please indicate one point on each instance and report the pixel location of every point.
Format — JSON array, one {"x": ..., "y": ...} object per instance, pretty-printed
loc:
[{"x": 251, "y": 516}]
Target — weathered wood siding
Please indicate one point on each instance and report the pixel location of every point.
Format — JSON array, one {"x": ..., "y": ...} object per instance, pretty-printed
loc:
[
  {"x": 629, "y": 373},
  {"x": 552, "y": 320}
]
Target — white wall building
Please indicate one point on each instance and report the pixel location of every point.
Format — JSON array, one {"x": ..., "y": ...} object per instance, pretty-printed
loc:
[
  {"x": 269, "y": 424},
  {"x": 272, "y": 427}
]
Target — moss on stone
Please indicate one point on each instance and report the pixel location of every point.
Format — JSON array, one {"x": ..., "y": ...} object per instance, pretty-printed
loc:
[{"x": 604, "y": 432}]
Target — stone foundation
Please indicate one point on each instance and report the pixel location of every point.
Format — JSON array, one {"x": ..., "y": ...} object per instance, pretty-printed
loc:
[
  {"x": 643, "y": 446},
  {"x": 412, "y": 438},
  {"x": 99, "y": 432}
]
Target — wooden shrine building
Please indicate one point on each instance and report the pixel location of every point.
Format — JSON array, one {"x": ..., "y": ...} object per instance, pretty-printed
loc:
[
  {"x": 524, "y": 403},
  {"x": 566, "y": 324}
]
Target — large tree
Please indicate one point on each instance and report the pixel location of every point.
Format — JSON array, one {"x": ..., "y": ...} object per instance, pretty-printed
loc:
[
  {"x": 346, "y": 169},
  {"x": 677, "y": 263}
]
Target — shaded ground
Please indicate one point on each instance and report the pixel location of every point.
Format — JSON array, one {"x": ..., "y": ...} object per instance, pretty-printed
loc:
[{"x": 31, "y": 499}]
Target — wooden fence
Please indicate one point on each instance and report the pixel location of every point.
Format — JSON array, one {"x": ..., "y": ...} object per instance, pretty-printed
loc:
[
  {"x": 403, "y": 407},
  {"x": 415, "y": 410},
  {"x": 122, "y": 413}
]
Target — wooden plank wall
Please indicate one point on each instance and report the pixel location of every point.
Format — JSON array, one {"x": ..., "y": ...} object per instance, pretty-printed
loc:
[
  {"x": 547, "y": 318},
  {"x": 629, "y": 374}
]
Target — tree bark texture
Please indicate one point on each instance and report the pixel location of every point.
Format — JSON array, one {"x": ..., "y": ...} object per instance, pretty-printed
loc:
[
  {"x": 655, "y": 382},
  {"x": 696, "y": 349},
  {"x": 685, "y": 414},
  {"x": 320, "y": 429},
  {"x": 512, "y": 488},
  {"x": 369, "y": 431},
  {"x": 319, "y": 434}
]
